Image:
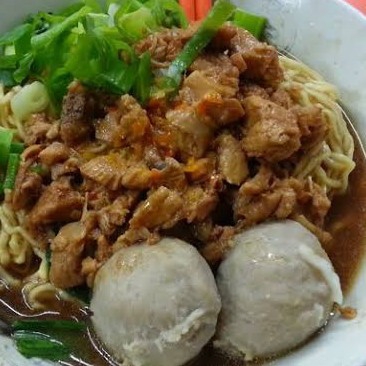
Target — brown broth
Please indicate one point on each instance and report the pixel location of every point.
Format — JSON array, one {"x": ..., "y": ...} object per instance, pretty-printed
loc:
[{"x": 346, "y": 222}]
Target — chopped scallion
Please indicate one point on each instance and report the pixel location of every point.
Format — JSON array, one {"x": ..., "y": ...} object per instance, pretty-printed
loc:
[
  {"x": 16, "y": 147},
  {"x": 221, "y": 11},
  {"x": 33, "y": 344},
  {"x": 253, "y": 23},
  {"x": 43, "y": 39},
  {"x": 47, "y": 325},
  {"x": 32, "y": 337},
  {"x": 8, "y": 62},
  {"x": 144, "y": 79},
  {"x": 6, "y": 137},
  {"x": 11, "y": 171}
]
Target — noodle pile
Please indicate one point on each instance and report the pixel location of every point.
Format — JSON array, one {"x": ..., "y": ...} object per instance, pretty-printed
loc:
[
  {"x": 328, "y": 164},
  {"x": 17, "y": 247}
]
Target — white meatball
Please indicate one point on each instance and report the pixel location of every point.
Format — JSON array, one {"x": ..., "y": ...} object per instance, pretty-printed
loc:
[
  {"x": 277, "y": 287},
  {"x": 155, "y": 305}
]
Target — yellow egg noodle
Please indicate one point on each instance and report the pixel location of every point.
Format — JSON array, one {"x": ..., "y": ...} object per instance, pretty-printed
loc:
[
  {"x": 7, "y": 117},
  {"x": 328, "y": 164}
]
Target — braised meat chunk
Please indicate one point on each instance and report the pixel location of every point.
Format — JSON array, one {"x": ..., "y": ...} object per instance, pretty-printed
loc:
[
  {"x": 113, "y": 216},
  {"x": 199, "y": 203},
  {"x": 222, "y": 111},
  {"x": 191, "y": 135},
  {"x": 139, "y": 176},
  {"x": 312, "y": 124},
  {"x": 67, "y": 249},
  {"x": 27, "y": 188},
  {"x": 162, "y": 208},
  {"x": 54, "y": 153},
  {"x": 271, "y": 132},
  {"x": 76, "y": 116},
  {"x": 58, "y": 203},
  {"x": 251, "y": 207},
  {"x": 68, "y": 168},
  {"x": 248, "y": 89},
  {"x": 209, "y": 74},
  {"x": 201, "y": 170},
  {"x": 37, "y": 128},
  {"x": 170, "y": 173},
  {"x": 165, "y": 46},
  {"x": 232, "y": 160},
  {"x": 126, "y": 123},
  {"x": 282, "y": 98},
  {"x": 266, "y": 196},
  {"x": 262, "y": 64},
  {"x": 106, "y": 170}
]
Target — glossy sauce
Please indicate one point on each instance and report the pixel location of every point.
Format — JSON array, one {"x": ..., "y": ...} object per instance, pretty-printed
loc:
[{"x": 346, "y": 222}]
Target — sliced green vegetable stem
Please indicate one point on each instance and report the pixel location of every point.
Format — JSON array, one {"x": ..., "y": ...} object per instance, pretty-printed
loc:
[
  {"x": 34, "y": 344},
  {"x": 32, "y": 339},
  {"x": 253, "y": 23},
  {"x": 221, "y": 12},
  {"x": 11, "y": 171},
  {"x": 16, "y": 147},
  {"x": 44, "y": 325},
  {"x": 144, "y": 79},
  {"x": 6, "y": 137}
]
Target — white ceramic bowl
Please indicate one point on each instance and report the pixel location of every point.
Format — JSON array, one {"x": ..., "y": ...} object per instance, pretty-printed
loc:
[{"x": 329, "y": 36}]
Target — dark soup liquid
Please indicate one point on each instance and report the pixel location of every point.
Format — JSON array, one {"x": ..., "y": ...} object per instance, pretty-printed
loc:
[{"x": 346, "y": 222}]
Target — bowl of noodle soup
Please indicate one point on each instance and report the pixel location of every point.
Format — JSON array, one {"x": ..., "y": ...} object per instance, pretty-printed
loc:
[{"x": 314, "y": 40}]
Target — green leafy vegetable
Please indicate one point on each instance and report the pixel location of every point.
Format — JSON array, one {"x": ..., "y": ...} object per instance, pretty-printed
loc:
[
  {"x": 42, "y": 40},
  {"x": 40, "y": 22},
  {"x": 16, "y": 147},
  {"x": 11, "y": 171},
  {"x": 6, "y": 137},
  {"x": 96, "y": 20},
  {"x": 168, "y": 13},
  {"x": 34, "y": 344},
  {"x": 41, "y": 338},
  {"x": 6, "y": 78},
  {"x": 8, "y": 61},
  {"x": 94, "y": 5},
  {"x": 136, "y": 25},
  {"x": 25, "y": 64},
  {"x": 48, "y": 325},
  {"x": 83, "y": 42},
  {"x": 9, "y": 159},
  {"x": 221, "y": 11},
  {"x": 142, "y": 87},
  {"x": 19, "y": 37},
  {"x": 95, "y": 62},
  {"x": 136, "y": 19},
  {"x": 14, "y": 53},
  {"x": 252, "y": 23}
]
